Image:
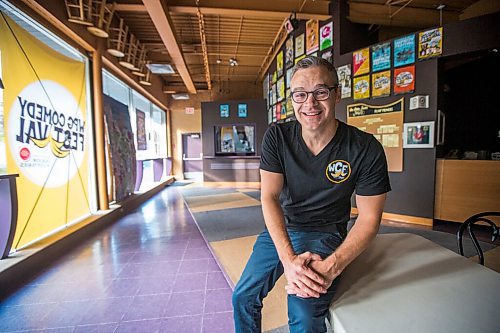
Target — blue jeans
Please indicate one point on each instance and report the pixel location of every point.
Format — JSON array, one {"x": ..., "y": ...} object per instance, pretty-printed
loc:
[{"x": 263, "y": 270}]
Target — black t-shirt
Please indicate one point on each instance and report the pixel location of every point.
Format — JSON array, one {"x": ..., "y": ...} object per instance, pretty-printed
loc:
[{"x": 317, "y": 190}]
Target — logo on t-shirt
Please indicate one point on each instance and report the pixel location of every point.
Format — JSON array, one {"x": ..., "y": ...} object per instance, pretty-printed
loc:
[{"x": 338, "y": 171}]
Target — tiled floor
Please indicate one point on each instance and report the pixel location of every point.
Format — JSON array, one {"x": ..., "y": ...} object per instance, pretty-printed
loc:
[{"x": 150, "y": 272}]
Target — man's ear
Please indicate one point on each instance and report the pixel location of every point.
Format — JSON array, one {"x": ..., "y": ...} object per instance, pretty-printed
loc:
[{"x": 338, "y": 93}]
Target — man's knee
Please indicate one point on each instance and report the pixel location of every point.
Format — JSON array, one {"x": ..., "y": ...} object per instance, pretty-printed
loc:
[
  {"x": 306, "y": 315},
  {"x": 244, "y": 298}
]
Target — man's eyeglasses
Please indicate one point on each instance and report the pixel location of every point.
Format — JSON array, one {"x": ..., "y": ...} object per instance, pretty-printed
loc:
[{"x": 320, "y": 94}]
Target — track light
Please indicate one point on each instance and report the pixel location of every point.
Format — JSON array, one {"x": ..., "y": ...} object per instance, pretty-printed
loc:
[{"x": 233, "y": 62}]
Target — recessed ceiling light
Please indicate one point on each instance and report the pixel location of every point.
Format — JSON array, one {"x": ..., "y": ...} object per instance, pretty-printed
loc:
[
  {"x": 161, "y": 68},
  {"x": 180, "y": 96},
  {"x": 218, "y": 61}
]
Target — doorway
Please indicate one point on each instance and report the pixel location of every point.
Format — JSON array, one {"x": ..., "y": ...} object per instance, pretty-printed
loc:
[{"x": 192, "y": 156}]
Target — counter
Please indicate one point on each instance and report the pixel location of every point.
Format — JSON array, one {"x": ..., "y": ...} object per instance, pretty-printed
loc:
[
  {"x": 466, "y": 187},
  {"x": 231, "y": 168}
]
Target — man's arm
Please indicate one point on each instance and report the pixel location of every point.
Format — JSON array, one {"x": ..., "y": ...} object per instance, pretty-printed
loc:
[
  {"x": 359, "y": 237},
  {"x": 297, "y": 273}
]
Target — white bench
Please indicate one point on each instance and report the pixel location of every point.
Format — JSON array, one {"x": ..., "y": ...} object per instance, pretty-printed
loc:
[{"x": 406, "y": 283}]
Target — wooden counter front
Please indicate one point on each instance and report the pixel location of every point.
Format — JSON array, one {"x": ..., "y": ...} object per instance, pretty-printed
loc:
[{"x": 466, "y": 187}]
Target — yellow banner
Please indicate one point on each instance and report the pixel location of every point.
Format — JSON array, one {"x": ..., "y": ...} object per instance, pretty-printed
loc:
[{"x": 46, "y": 132}]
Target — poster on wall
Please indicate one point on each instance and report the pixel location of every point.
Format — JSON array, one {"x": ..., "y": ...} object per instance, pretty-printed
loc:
[
  {"x": 328, "y": 55},
  {"x": 299, "y": 45},
  {"x": 224, "y": 110},
  {"x": 283, "y": 110},
  {"x": 361, "y": 62},
  {"x": 289, "y": 57},
  {"x": 121, "y": 139},
  {"x": 278, "y": 111},
  {"x": 404, "y": 50},
  {"x": 289, "y": 77},
  {"x": 299, "y": 58},
  {"x": 269, "y": 115},
  {"x": 265, "y": 90},
  {"x": 385, "y": 122},
  {"x": 381, "y": 57},
  {"x": 312, "y": 38},
  {"x": 281, "y": 89},
  {"x": 274, "y": 77},
  {"x": 141, "y": 130},
  {"x": 326, "y": 36},
  {"x": 361, "y": 87},
  {"x": 381, "y": 84},
  {"x": 273, "y": 94},
  {"x": 274, "y": 113},
  {"x": 344, "y": 75},
  {"x": 279, "y": 64},
  {"x": 430, "y": 43},
  {"x": 47, "y": 133},
  {"x": 404, "y": 79},
  {"x": 418, "y": 135},
  {"x": 289, "y": 104},
  {"x": 242, "y": 110}
]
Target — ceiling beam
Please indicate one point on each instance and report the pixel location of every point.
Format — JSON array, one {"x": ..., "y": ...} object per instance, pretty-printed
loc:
[
  {"x": 158, "y": 11},
  {"x": 237, "y": 12}
]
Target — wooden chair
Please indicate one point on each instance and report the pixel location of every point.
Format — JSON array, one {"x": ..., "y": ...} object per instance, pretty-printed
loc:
[
  {"x": 79, "y": 11},
  {"x": 118, "y": 39},
  {"x": 481, "y": 217},
  {"x": 141, "y": 62},
  {"x": 102, "y": 15},
  {"x": 131, "y": 50}
]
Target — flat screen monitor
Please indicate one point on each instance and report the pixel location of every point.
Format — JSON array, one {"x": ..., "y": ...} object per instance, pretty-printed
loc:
[{"x": 235, "y": 140}]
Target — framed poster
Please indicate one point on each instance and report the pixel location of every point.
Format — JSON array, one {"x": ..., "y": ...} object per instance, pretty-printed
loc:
[
  {"x": 326, "y": 36},
  {"x": 274, "y": 78},
  {"x": 418, "y": 135},
  {"x": 344, "y": 74},
  {"x": 280, "y": 93},
  {"x": 299, "y": 46},
  {"x": 404, "y": 50},
  {"x": 381, "y": 57},
  {"x": 242, "y": 110},
  {"x": 224, "y": 110},
  {"x": 270, "y": 115},
  {"x": 278, "y": 111},
  {"x": 289, "y": 52},
  {"x": 361, "y": 61},
  {"x": 328, "y": 56},
  {"x": 385, "y": 122},
  {"x": 381, "y": 84},
  {"x": 279, "y": 64},
  {"x": 288, "y": 77},
  {"x": 404, "y": 79},
  {"x": 273, "y": 94},
  {"x": 141, "y": 130},
  {"x": 274, "y": 113},
  {"x": 283, "y": 110},
  {"x": 430, "y": 43},
  {"x": 362, "y": 87},
  {"x": 299, "y": 58},
  {"x": 289, "y": 105},
  {"x": 312, "y": 38}
]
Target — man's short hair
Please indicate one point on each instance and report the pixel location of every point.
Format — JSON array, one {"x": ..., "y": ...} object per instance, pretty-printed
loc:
[{"x": 312, "y": 61}]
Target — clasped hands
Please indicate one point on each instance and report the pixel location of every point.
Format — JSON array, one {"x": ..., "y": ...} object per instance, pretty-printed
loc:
[{"x": 308, "y": 275}]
